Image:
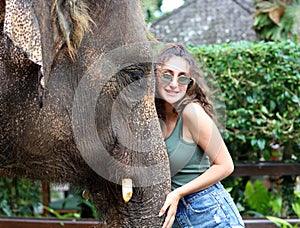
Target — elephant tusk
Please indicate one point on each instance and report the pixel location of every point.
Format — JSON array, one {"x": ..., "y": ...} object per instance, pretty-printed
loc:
[{"x": 126, "y": 189}]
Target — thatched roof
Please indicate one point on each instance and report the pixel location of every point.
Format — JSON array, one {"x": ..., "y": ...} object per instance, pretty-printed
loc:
[{"x": 207, "y": 21}]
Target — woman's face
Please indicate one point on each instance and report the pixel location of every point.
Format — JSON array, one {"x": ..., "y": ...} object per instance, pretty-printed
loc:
[{"x": 173, "y": 79}]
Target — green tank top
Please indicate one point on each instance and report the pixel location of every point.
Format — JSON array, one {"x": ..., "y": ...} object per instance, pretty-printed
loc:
[{"x": 187, "y": 159}]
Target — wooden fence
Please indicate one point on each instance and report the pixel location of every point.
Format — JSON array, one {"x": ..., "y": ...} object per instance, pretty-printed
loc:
[
  {"x": 257, "y": 169},
  {"x": 267, "y": 169},
  {"x": 17, "y": 222},
  {"x": 20, "y": 222}
]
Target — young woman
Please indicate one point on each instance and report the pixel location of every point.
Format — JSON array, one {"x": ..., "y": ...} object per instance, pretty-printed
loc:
[{"x": 199, "y": 158}]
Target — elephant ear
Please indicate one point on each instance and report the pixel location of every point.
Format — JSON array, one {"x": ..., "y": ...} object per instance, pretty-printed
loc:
[
  {"x": 21, "y": 26},
  {"x": 41, "y": 27}
]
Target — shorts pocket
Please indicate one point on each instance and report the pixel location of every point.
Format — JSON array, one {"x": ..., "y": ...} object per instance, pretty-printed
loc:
[
  {"x": 206, "y": 212},
  {"x": 202, "y": 204}
]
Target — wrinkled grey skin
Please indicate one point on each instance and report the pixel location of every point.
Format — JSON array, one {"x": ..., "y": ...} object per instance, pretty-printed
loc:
[{"x": 39, "y": 143}]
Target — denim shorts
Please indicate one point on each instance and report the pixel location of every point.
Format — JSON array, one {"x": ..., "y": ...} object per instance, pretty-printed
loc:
[{"x": 211, "y": 207}]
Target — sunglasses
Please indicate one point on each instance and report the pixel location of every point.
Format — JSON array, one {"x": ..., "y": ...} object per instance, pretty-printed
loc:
[{"x": 182, "y": 80}]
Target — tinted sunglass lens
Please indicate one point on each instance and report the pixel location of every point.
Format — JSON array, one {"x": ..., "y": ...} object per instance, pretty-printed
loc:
[
  {"x": 183, "y": 80},
  {"x": 166, "y": 78}
]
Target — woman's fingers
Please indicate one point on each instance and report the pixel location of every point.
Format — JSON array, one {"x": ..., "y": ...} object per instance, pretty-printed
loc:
[
  {"x": 169, "y": 220},
  {"x": 163, "y": 209},
  {"x": 170, "y": 206}
]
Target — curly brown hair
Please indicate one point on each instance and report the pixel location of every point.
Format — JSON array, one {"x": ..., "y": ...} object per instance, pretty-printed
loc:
[{"x": 197, "y": 90}]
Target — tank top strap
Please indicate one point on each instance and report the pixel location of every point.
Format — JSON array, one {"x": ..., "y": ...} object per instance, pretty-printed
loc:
[{"x": 177, "y": 131}]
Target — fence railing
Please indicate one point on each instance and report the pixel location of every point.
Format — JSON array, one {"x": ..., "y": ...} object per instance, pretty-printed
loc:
[
  {"x": 17, "y": 222},
  {"x": 20, "y": 222},
  {"x": 256, "y": 169},
  {"x": 267, "y": 169}
]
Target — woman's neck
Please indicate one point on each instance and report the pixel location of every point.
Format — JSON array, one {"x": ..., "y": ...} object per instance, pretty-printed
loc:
[{"x": 170, "y": 112}]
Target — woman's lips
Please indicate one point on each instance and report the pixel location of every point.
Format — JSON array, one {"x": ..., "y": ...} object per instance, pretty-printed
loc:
[{"x": 171, "y": 92}]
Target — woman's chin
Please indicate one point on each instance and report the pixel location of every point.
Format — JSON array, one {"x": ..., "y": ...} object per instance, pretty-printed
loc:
[{"x": 172, "y": 100}]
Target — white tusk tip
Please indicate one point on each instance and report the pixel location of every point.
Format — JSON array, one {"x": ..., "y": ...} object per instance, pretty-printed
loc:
[{"x": 127, "y": 189}]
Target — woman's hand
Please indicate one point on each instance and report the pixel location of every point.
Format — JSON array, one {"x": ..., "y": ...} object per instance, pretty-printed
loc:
[{"x": 170, "y": 206}]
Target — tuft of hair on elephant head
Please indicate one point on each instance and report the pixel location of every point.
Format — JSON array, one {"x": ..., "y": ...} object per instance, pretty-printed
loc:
[{"x": 89, "y": 64}]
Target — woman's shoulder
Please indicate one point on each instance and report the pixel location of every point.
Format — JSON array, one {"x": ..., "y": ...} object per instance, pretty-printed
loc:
[{"x": 194, "y": 111}]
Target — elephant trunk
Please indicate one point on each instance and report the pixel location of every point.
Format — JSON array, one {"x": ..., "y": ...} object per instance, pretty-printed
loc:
[{"x": 125, "y": 143}]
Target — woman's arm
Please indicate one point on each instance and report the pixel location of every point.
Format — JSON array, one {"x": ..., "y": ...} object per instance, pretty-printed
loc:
[{"x": 200, "y": 128}]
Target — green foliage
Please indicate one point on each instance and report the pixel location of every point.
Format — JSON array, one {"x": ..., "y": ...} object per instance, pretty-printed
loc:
[
  {"x": 62, "y": 216},
  {"x": 75, "y": 202},
  {"x": 260, "y": 201},
  {"x": 151, "y": 8},
  {"x": 18, "y": 197},
  {"x": 257, "y": 197},
  {"x": 276, "y": 20},
  {"x": 260, "y": 87},
  {"x": 296, "y": 204},
  {"x": 280, "y": 222}
]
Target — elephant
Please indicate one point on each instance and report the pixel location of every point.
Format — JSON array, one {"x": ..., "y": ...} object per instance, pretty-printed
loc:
[{"x": 77, "y": 104}]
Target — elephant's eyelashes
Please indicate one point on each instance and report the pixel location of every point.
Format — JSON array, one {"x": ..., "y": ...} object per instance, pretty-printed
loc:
[{"x": 137, "y": 72}]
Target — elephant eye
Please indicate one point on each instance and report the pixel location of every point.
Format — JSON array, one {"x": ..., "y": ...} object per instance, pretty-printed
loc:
[{"x": 135, "y": 72}]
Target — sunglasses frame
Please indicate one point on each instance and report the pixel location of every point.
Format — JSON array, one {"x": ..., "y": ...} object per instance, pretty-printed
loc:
[{"x": 167, "y": 81}]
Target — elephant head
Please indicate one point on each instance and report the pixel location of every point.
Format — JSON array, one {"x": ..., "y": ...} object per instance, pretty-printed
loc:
[{"x": 98, "y": 125}]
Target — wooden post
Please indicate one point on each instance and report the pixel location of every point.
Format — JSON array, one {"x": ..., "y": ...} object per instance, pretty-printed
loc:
[{"x": 46, "y": 196}]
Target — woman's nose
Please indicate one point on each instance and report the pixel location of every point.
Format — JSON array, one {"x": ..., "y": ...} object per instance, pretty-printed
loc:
[{"x": 174, "y": 82}]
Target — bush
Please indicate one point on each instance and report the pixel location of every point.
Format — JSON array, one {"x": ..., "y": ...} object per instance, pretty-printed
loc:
[
  {"x": 260, "y": 88},
  {"x": 18, "y": 197}
]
